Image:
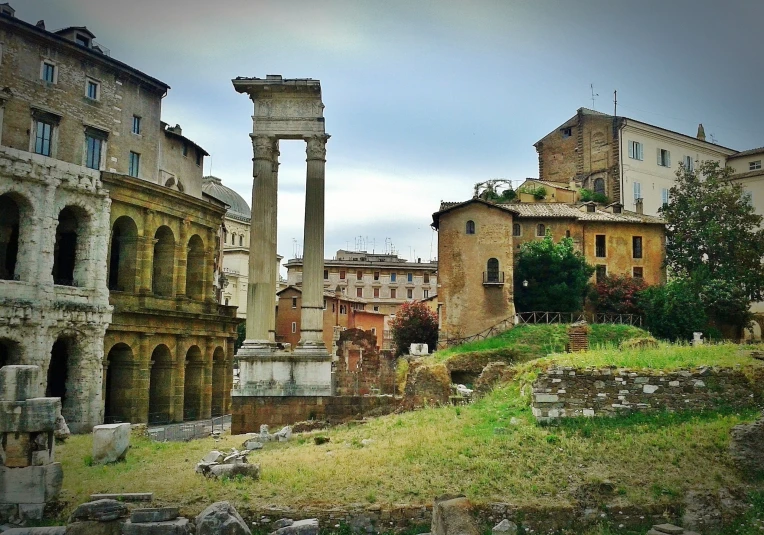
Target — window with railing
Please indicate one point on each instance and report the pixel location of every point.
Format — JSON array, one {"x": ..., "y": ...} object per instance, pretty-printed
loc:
[{"x": 492, "y": 275}]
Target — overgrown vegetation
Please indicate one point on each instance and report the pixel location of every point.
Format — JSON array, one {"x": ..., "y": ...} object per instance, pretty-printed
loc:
[
  {"x": 586, "y": 195},
  {"x": 414, "y": 323},
  {"x": 617, "y": 294}
]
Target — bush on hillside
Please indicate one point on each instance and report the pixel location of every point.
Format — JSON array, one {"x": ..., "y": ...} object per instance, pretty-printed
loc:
[
  {"x": 414, "y": 323},
  {"x": 673, "y": 311},
  {"x": 617, "y": 294}
]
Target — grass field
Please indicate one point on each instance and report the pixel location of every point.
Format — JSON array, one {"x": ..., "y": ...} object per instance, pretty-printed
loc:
[{"x": 491, "y": 450}]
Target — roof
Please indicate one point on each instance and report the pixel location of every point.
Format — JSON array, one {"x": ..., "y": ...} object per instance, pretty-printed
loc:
[
  {"x": 81, "y": 29},
  {"x": 446, "y": 207},
  {"x": 238, "y": 207},
  {"x": 557, "y": 185},
  {"x": 747, "y": 152},
  {"x": 170, "y": 131}
]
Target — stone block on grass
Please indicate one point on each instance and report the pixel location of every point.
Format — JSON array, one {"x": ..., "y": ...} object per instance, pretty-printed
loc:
[
  {"x": 110, "y": 442},
  {"x": 300, "y": 527},
  {"x": 179, "y": 526},
  {"x": 221, "y": 518},
  {"x": 452, "y": 516}
]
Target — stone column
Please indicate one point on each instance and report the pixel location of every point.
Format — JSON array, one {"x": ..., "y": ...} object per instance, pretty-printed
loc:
[
  {"x": 275, "y": 272},
  {"x": 311, "y": 314},
  {"x": 206, "y": 379},
  {"x": 181, "y": 347},
  {"x": 261, "y": 288},
  {"x": 143, "y": 379},
  {"x": 146, "y": 253}
]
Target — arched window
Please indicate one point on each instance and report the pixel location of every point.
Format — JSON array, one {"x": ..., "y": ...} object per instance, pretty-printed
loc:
[
  {"x": 123, "y": 255},
  {"x": 241, "y": 240},
  {"x": 233, "y": 238},
  {"x": 65, "y": 255},
  {"x": 470, "y": 227},
  {"x": 492, "y": 270},
  {"x": 540, "y": 230},
  {"x": 164, "y": 261},
  {"x": 516, "y": 230},
  {"x": 9, "y": 236},
  {"x": 599, "y": 186},
  {"x": 195, "y": 268}
]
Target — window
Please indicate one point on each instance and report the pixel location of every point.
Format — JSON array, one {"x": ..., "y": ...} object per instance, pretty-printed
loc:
[
  {"x": 664, "y": 196},
  {"x": 492, "y": 270},
  {"x": 226, "y": 301},
  {"x": 135, "y": 164},
  {"x": 566, "y": 132},
  {"x": 326, "y": 274},
  {"x": 689, "y": 164},
  {"x": 409, "y": 277},
  {"x": 601, "y": 273},
  {"x": 343, "y": 309},
  {"x": 393, "y": 277},
  {"x": 599, "y": 186},
  {"x": 294, "y": 302},
  {"x": 567, "y": 233},
  {"x": 43, "y": 137},
  {"x": 753, "y": 166},
  {"x": 426, "y": 294},
  {"x": 664, "y": 158},
  {"x": 324, "y": 304},
  {"x": 93, "y": 149},
  {"x": 376, "y": 309},
  {"x": 136, "y": 124},
  {"x": 637, "y": 272},
  {"x": 376, "y": 275},
  {"x": 516, "y": 229},
  {"x": 410, "y": 293},
  {"x": 540, "y": 230},
  {"x": 233, "y": 238},
  {"x": 359, "y": 292},
  {"x": 635, "y": 150},
  {"x": 636, "y": 246},
  {"x": 294, "y": 327},
  {"x": 82, "y": 40},
  {"x": 185, "y": 149},
  {"x": 48, "y": 72},
  {"x": 376, "y": 292},
  {"x": 637, "y": 191},
  {"x": 199, "y": 157},
  {"x": 342, "y": 274},
  {"x": 393, "y": 291},
  {"x": 334, "y": 307},
  {"x": 92, "y": 89},
  {"x": 426, "y": 278},
  {"x": 359, "y": 275},
  {"x": 600, "y": 251},
  {"x": 470, "y": 227},
  {"x": 241, "y": 240}
]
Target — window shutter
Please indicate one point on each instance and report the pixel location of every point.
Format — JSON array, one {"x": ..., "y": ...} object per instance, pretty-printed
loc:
[
  {"x": 668, "y": 158},
  {"x": 631, "y": 150},
  {"x": 658, "y": 152}
]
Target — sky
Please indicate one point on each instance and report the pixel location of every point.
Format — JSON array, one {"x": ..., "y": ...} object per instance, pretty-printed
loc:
[{"x": 425, "y": 98}]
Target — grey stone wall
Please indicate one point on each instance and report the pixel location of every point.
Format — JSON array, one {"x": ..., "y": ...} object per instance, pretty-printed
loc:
[{"x": 563, "y": 392}]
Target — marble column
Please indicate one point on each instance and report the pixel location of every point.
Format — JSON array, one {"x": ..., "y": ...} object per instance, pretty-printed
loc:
[
  {"x": 274, "y": 272},
  {"x": 261, "y": 288},
  {"x": 311, "y": 314}
]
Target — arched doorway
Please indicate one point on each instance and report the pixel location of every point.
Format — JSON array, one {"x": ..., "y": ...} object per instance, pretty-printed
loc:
[
  {"x": 123, "y": 255},
  {"x": 10, "y": 352},
  {"x": 119, "y": 394},
  {"x": 195, "y": 268},
  {"x": 160, "y": 386},
  {"x": 218, "y": 382},
  {"x": 193, "y": 386},
  {"x": 69, "y": 242},
  {"x": 9, "y": 236},
  {"x": 62, "y": 377},
  {"x": 164, "y": 262}
]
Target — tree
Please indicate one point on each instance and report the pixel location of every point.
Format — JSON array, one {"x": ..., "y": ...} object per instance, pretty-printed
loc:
[
  {"x": 713, "y": 232},
  {"x": 556, "y": 274},
  {"x": 617, "y": 294},
  {"x": 414, "y": 323},
  {"x": 673, "y": 311}
]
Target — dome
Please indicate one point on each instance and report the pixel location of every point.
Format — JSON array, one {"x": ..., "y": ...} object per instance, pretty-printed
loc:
[{"x": 238, "y": 207}]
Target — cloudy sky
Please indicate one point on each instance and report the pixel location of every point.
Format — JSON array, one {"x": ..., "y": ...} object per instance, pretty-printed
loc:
[{"x": 425, "y": 98}]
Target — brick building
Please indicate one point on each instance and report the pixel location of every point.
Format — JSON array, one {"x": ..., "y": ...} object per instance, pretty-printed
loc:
[{"x": 103, "y": 224}]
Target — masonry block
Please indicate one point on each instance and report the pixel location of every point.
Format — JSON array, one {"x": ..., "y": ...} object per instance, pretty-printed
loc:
[
  {"x": 18, "y": 450},
  {"x": 110, "y": 442},
  {"x": 33, "y": 484},
  {"x": 18, "y": 383}
]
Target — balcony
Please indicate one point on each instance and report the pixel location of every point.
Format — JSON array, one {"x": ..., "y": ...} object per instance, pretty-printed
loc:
[{"x": 493, "y": 278}]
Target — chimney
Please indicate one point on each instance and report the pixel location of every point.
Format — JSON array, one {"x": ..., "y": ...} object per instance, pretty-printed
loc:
[
  {"x": 701, "y": 132},
  {"x": 40, "y": 24},
  {"x": 639, "y": 207}
]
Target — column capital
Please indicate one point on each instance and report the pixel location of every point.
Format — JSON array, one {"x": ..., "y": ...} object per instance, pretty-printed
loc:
[
  {"x": 316, "y": 146},
  {"x": 263, "y": 146}
]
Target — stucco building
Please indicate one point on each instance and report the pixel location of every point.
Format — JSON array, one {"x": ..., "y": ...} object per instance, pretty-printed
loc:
[
  {"x": 103, "y": 225},
  {"x": 478, "y": 241}
]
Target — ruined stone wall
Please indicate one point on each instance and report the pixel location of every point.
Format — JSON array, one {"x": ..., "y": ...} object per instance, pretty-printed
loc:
[
  {"x": 566, "y": 392},
  {"x": 250, "y": 412},
  {"x": 360, "y": 368}
]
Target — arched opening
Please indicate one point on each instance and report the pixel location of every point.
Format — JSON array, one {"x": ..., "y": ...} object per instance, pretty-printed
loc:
[
  {"x": 599, "y": 186},
  {"x": 160, "y": 385},
  {"x": 218, "y": 382},
  {"x": 10, "y": 352},
  {"x": 69, "y": 246},
  {"x": 163, "y": 262},
  {"x": 193, "y": 386},
  {"x": 9, "y": 236},
  {"x": 119, "y": 405},
  {"x": 123, "y": 255},
  {"x": 492, "y": 270},
  {"x": 470, "y": 227},
  {"x": 195, "y": 268},
  {"x": 541, "y": 230}
]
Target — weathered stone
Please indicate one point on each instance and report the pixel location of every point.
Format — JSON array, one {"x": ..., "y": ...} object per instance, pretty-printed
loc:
[
  {"x": 32, "y": 484},
  {"x": 154, "y": 514},
  {"x": 284, "y": 434},
  {"x": 19, "y": 383},
  {"x": 220, "y": 518},
  {"x": 747, "y": 447},
  {"x": 252, "y": 445},
  {"x": 61, "y": 431},
  {"x": 547, "y": 398},
  {"x": 505, "y": 527},
  {"x": 47, "y": 530},
  {"x": 709, "y": 512},
  {"x": 282, "y": 523},
  {"x": 213, "y": 457},
  {"x": 669, "y": 529},
  {"x": 30, "y": 416},
  {"x": 94, "y": 527},
  {"x": 179, "y": 526},
  {"x": 110, "y": 442},
  {"x": 233, "y": 470},
  {"x": 125, "y": 496},
  {"x": 31, "y": 511},
  {"x": 300, "y": 527},
  {"x": 100, "y": 511},
  {"x": 453, "y": 517},
  {"x": 17, "y": 450},
  {"x": 650, "y": 389}
]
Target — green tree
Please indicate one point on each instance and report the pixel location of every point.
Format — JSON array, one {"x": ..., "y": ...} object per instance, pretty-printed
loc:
[
  {"x": 673, "y": 311},
  {"x": 556, "y": 275},
  {"x": 414, "y": 323},
  {"x": 713, "y": 232}
]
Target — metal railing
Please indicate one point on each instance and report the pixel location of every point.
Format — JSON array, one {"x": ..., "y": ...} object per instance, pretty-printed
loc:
[
  {"x": 183, "y": 432},
  {"x": 493, "y": 277}
]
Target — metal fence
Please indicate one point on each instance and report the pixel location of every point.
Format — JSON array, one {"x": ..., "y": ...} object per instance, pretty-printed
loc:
[{"x": 183, "y": 432}]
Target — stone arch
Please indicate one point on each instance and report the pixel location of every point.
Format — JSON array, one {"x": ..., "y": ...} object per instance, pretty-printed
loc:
[
  {"x": 160, "y": 385},
  {"x": 70, "y": 250},
  {"x": 492, "y": 270},
  {"x": 470, "y": 227},
  {"x": 10, "y": 227},
  {"x": 123, "y": 255},
  {"x": 598, "y": 185},
  {"x": 218, "y": 381},
  {"x": 62, "y": 376},
  {"x": 119, "y": 400},
  {"x": 195, "y": 268},
  {"x": 233, "y": 238},
  {"x": 10, "y": 352},
  {"x": 163, "y": 262},
  {"x": 193, "y": 386}
]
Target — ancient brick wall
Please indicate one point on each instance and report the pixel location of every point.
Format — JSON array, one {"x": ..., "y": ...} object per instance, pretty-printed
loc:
[
  {"x": 361, "y": 369},
  {"x": 565, "y": 392}
]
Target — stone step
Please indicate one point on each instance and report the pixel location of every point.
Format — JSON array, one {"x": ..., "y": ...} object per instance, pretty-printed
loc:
[{"x": 125, "y": 497}]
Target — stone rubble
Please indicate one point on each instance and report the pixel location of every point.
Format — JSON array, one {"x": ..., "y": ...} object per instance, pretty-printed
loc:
[
  {"x": 747, "y": 446},
  {"x": 217, "y": 464},
  {"x": 220, "y": 518},
  {"x": 452, "y": 516},
  {"x": 300, "y": 527},
  {"x": 669, "y": 529},
  {"x": 505, "y": 527}
]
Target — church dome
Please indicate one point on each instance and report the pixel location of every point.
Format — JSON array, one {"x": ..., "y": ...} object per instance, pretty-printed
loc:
[{"x": 238, "y": 207}]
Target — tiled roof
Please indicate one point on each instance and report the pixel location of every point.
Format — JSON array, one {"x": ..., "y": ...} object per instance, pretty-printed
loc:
[
  {"x": 747, "y": 152},
  {"x": 557, "y": 185},
  {"x": 573, "y": 211}
]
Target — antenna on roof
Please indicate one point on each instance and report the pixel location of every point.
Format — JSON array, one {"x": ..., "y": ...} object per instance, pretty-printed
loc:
[
  {"x": 615, "y": 103},
  {"x": 713, "y": 138},
  {"x": 591, "y": 86}
]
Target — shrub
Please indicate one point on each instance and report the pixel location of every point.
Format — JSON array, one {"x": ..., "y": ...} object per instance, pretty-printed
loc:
[
  {"x": 673, "y": 311},
  {"x": 617, "y": 294},
  {"x": 414, "y": 323}
]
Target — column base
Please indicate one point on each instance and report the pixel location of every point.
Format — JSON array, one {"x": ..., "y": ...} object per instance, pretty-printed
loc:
[
  {"x": 256, "y": 349},
  {"x": 266, "y": 371}
]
